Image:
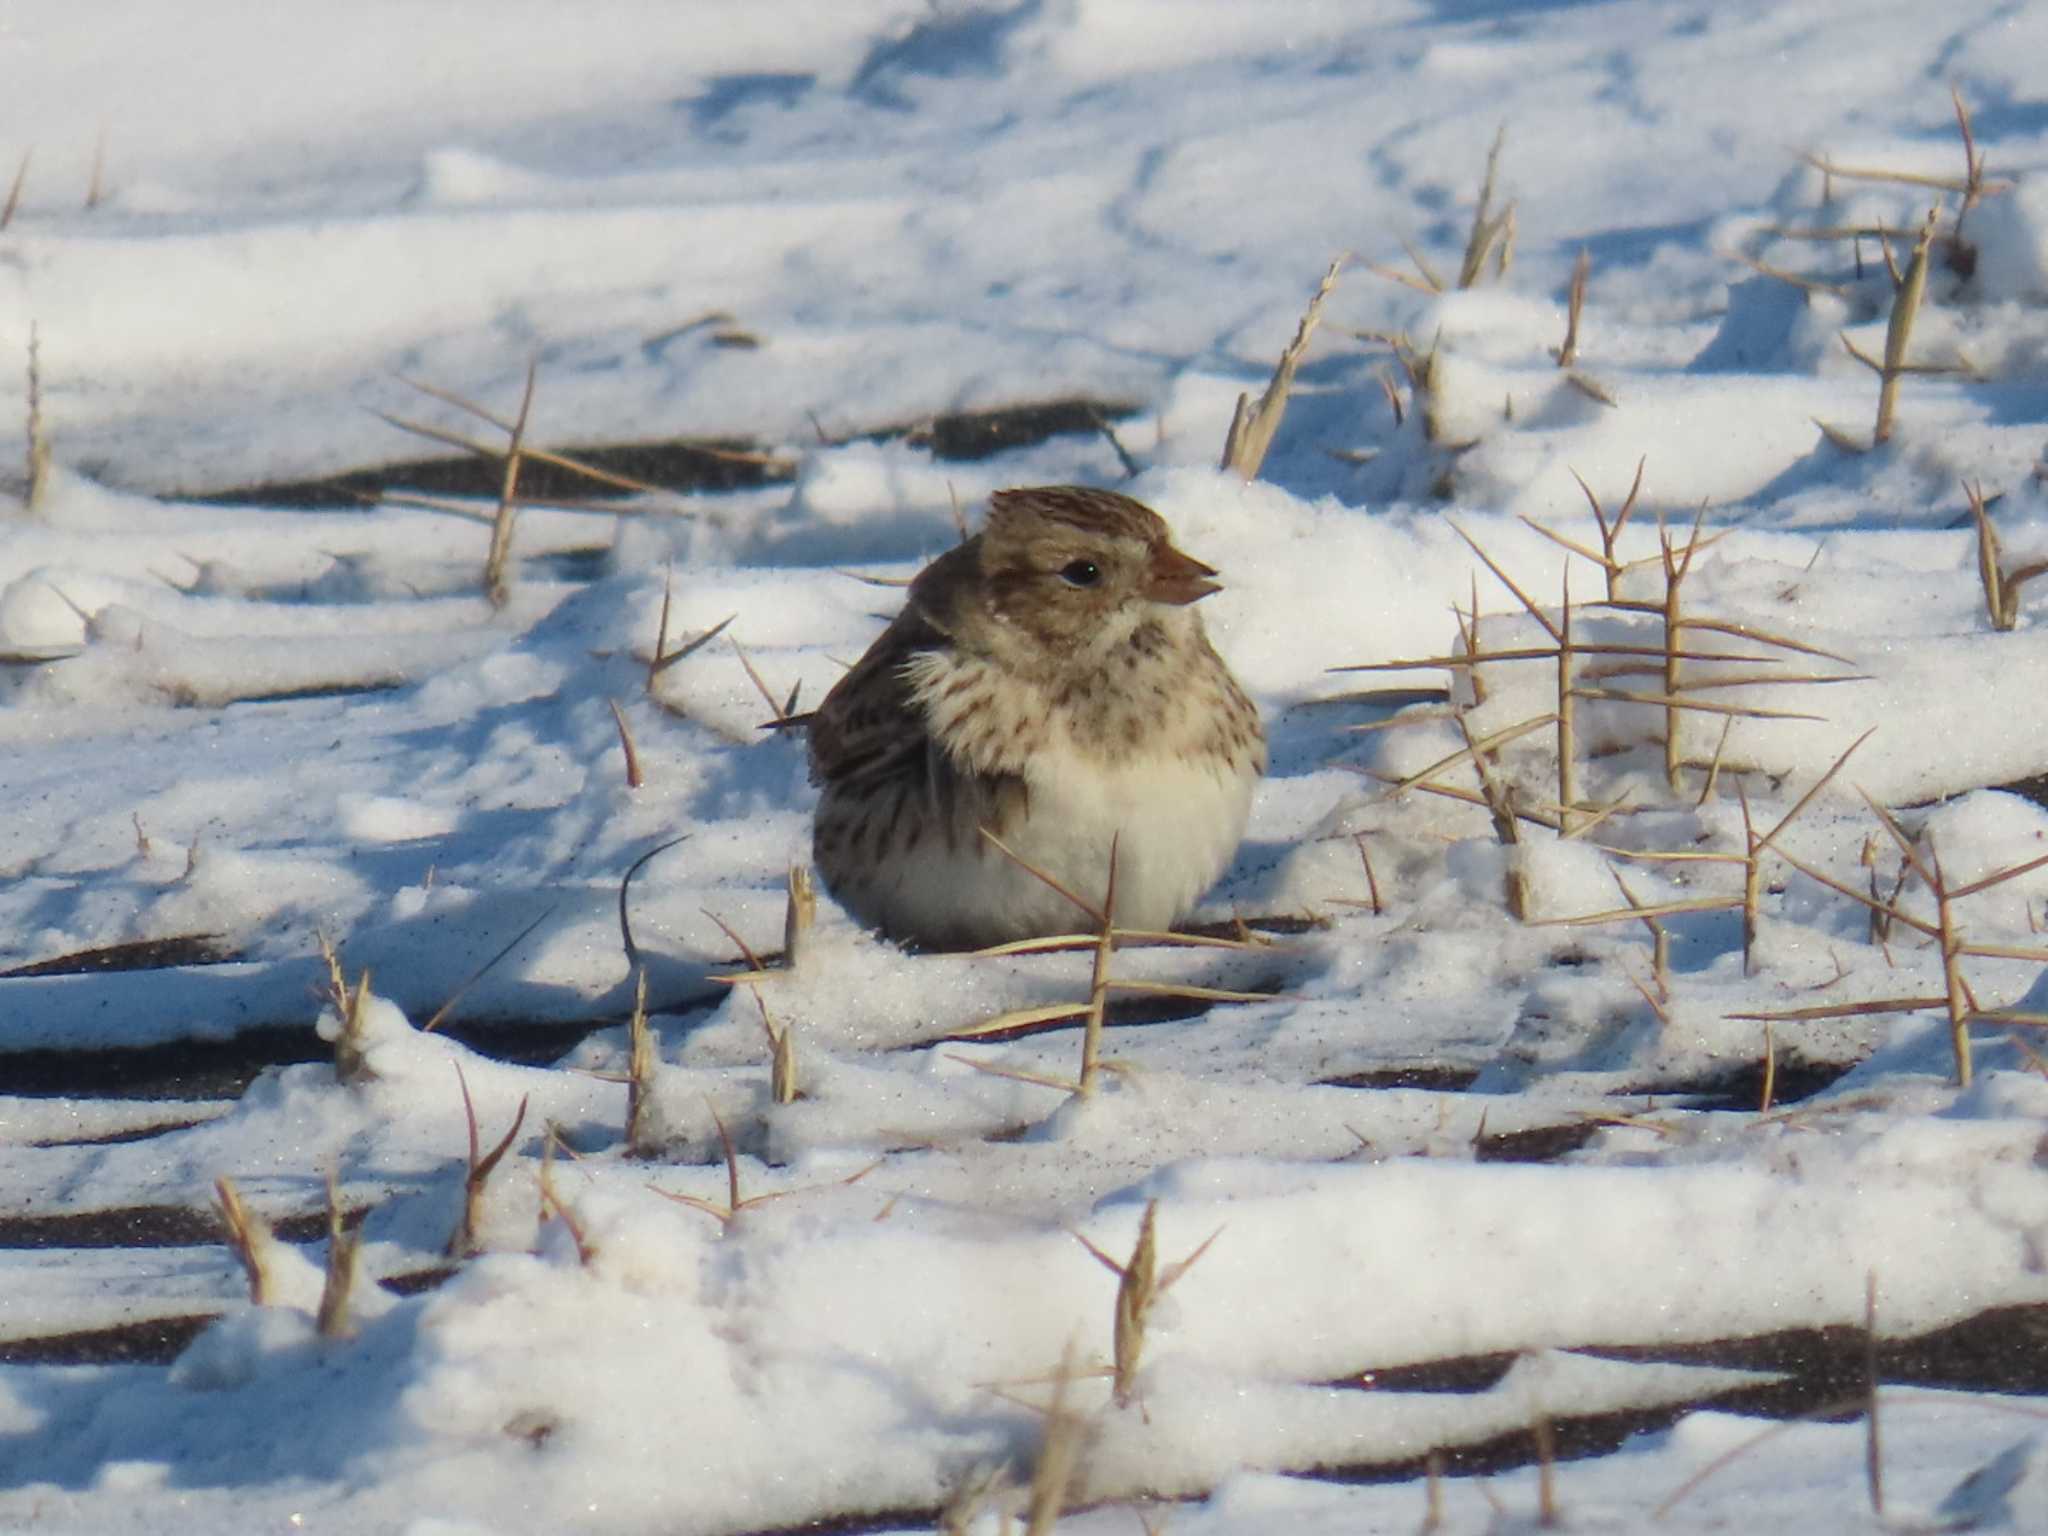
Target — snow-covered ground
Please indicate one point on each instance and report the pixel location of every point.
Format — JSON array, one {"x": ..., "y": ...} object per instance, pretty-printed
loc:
[{"x": 1432, "y": 1125}]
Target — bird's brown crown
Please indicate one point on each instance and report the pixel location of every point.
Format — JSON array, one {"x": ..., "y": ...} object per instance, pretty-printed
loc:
[{"x": 1073, "y": 567}]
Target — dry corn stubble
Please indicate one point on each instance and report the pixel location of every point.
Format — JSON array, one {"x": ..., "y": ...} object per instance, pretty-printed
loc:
[
  {"x": 344, "y": 1249},
  {"x": 1252, "y": 427},
  {"x": 1140, "y": 1283},
  {"x": 1101, "y": 983},
  {"x": 2001, "y": 584},
  {"x": 646, "y": 1130},
  {"x": 249, "y": 1238},
  {"x": 1958, "y": 999},
  {"x": 466, "y": 1239},
  {"x": 510, "y": 459}
]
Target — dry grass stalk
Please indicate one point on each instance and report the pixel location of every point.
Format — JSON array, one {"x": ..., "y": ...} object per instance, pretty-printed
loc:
[
  {"x": 344, "y": 1249},
  {"x": 1059, "y": 1452},
  {"x": 1956, "y": 991},
  {"x": 1724, "y": 627},
  {"x": 799, "y": 914},
  {"x": 1591, "y": 388},
  {"x": 634, "y": 777},
  {"x": 1640, "y": 912},
  {"x": 1098, "y": 980},
  {"x": 249, "y": 1238},
  {"x": 1957, "y": 999},
  {"x": 1973, "y": 186},
  {"x": 1252, "y": 427},
  {"x": 1131, "y": 467},
  {"x": 510, "y": 458},
  {"x": 626, "y": 941},
  {"x": 462, "y": 509},
  {"x": 1868, "y": 1008},
  {"x": 1140, "y": 1284},
  {"x": 782, "y": 1080},
  {"x": 551, "y": 1203},
  {"x": 1770, "y": 1087},
  {"x": 783, "y": 710},
  {"x": 1610, "y": 533},
  {"x": 440, "y": 1014},
  {"x": 2001, "y": 586},
  {"x": 1713, "y": 778},
  {"x": 1660, "y": 939},
  {"x": 1429, "y": 281},
  {"x": 1676, "y": 569},
  {"x": 591, "y": 472},
  {"x": 1394, "y": 405},
  {"x": 1247, "y": 939},
  {"x": 39, "y": 457},
  {"x": 1882, "y": 906},
  {"x": 1912, "y": 291},
  {"x": 757, "y": 969},
  {"x": 645, "y": 1133},
  {"x": 1093, "y": 1012},
  {"x": 12, "y": 206},
  {"x": 986, "y": 1487},
  {"x": 351, "y": 1045},
  {"x": 1494, "y": 795},
  {"x": 729, "y": 1212},
  {"x": 1433, "y": 1492},
  {"x": 1567, "y": 695},
  {"x": 1489, "y": 230},
  {"x": 1471, "y": 660},
  {"x": 1800, "y": 281},
  {"x": 496, "y": 585},
  {"x": 1567, "y": 718},
  {"x": 1749, "y": 901},
  {"x": 467, "y": 1237},
  {"x": 1496, "y": 791},
  {"x": 668, "y": 598},
  {"x": 1754, "y": 848},
  {"x": 1573, "y": 816},
  {"x": 664, "y": 658},
  {"x": 1832, "y": 232},
  {"x": 96, "y": 187},
  {"x": 1873, "y": 1447},
  {"x": 1548, "y": 1516},
  {"x": 1372, "y": 883},
  {"x": 1831, "y": 170},
  {"x": 1660, "y": 1006},
  {"x": 1826, "y": 1411},
  {"x": 1962, "y": 255}
]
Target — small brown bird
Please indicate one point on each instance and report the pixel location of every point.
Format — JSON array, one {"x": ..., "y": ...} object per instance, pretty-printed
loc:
[{"x": 1048, "y": 680}]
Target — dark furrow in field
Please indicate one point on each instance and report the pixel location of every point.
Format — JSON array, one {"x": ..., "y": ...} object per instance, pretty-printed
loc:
[
  {"x": 139, "y": 955},
  {"x": 223, "y": 1069},
  {"x": 699, "y": 465}
]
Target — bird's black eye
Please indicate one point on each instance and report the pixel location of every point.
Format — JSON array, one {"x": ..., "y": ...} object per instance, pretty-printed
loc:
[{"x": 1080, "y": 573}]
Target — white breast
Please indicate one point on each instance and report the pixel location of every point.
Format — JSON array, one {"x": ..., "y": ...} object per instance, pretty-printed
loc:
[{"x": 1175, "y": 826}]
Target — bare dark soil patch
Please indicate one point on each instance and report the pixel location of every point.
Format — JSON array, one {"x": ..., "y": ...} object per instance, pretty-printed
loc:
[
  {"x": 175, "y": 1069},
  {"x": 682, "y": 465},
  {"x": 155, "y": 1341},
  {"x": 137, "y": 955}
]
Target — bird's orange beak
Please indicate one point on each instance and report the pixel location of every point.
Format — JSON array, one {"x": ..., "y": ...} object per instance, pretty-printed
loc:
[{"x": 1177, "y": 578}]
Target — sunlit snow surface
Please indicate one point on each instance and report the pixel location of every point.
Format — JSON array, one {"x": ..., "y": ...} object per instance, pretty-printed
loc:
[{"x": 264, "y": 726}]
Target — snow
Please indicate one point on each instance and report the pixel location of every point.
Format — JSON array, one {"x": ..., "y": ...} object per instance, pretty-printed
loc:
[{"x": 1451, "y": 1159}]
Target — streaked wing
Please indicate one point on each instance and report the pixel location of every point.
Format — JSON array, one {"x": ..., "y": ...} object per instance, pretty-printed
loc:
[{"x": 869, "y": 726}]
